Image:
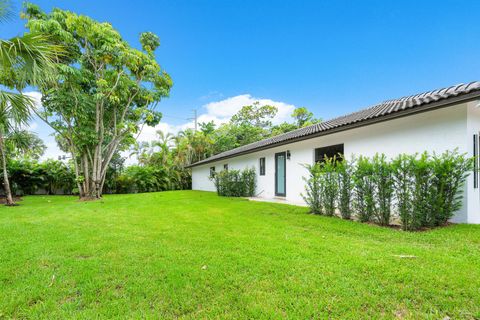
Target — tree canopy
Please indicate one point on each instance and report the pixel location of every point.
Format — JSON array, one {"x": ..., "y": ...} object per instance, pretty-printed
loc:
[{"x": 102, "y": 93}]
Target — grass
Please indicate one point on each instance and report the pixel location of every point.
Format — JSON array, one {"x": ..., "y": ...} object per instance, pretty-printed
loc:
[{"x": 194, "y": 255}]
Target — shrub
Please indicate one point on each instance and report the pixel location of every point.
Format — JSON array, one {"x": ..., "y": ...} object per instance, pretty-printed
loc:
[
  {"x": 345, "y": 187},
  {"x": 364, "y": 199},
  {"x": 423, "y": 190},
  {"x": 137, "y": 178},
  {"x": 403, "y": 181},
  {"x": 249, "y": 178},
  {"x": 235, "y": 183},
  {"x": 313, "y": 191},
  {"x": 329, "y": 188},
  {"x": 383, "y": 189},
  {"x": 450, "y": 171}
]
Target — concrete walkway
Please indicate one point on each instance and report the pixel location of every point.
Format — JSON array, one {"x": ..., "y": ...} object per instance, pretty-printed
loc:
[{"x": 277, "y": 200}]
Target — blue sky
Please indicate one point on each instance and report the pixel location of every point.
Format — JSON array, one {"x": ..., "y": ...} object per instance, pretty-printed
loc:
[{"x": 333, "y": 57}]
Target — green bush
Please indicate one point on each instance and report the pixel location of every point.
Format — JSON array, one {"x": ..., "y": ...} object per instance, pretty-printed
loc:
[
  {"x": 235, "y": 183},
  {"x": 382, "y": 188},
  {"x": 345, "y": 187},
  {"x": 403, "y": 182},
  {"x": 138, "y": 179},
  {"x": 450, "y": 172},
  {"x": 422, "y": 190},
  {"x": 364, "y": 189},
  {"x": 28, "y": 176},
  {"x": 313, "y": 191},
  {"x": 329, "y": 181}
]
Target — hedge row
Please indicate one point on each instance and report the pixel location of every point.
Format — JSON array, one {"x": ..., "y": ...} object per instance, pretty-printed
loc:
[
  {"x": 423, "y": 191},
  {"x": 235, "y": 183}
]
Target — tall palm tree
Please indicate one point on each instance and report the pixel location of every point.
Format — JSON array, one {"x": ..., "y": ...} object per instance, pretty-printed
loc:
[{"x": 24, "y": 61}]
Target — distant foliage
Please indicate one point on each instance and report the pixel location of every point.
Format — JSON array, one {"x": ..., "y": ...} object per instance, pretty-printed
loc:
[
  {"x": 422, "y": 191},
  {"x": 138, "y": 179},
  {"x": 28, "y": 176},
  {"x": 235, "y": 183}
]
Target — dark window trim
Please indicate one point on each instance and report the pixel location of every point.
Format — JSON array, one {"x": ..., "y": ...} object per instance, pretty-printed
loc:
[
  {"x": 225, "y": 166},
  {"x": 330, "y": 151},
  {"x": 212, "y": 171},
  {"x": 284, "y": 194},
  {"x": 262, "y": 166}
]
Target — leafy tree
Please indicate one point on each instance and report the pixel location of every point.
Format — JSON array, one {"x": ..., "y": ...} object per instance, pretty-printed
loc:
[
  {"x": 255, "y": 115},
  {"x": 103, "y": 92},
  {"x": 303, "y": 117},
  {"x": 250, "y": 124},
  {"x": 207, "y": 128}
]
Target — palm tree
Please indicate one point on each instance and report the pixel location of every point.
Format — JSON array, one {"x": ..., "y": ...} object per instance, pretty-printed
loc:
[{"x": 24, "y": 61}]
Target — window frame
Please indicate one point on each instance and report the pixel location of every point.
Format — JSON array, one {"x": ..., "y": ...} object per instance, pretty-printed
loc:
[
  {"x": 334, "y": 151},
  {"x": 225, "y": 167},
  {"x": 262, "y": 164},
  {"x": 212, "y": 172}
]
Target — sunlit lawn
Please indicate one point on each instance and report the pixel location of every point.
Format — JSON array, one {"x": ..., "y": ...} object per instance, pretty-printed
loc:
[{"x": 194, "y": 255}]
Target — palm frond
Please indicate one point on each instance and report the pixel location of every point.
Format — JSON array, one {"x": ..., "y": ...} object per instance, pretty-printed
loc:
[
  {"x": 6, "y": 10},
  {"x": 14, "y": 109},
  {"x": 31, "y": 55}
]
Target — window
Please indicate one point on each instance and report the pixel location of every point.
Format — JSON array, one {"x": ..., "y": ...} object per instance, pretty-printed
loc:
[
  {"x": 212, "y": 172},
  {"x": 262, "y": 166},
  {"x": 329, "y": 152},
  {"x": 225, "y": 166}
]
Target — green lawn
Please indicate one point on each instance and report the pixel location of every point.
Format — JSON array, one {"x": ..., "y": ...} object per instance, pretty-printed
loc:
[{"x": 193, "y": 255}]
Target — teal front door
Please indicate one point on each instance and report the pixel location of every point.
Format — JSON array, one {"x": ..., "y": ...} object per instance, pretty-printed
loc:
[{"x": 280, "y": 174}]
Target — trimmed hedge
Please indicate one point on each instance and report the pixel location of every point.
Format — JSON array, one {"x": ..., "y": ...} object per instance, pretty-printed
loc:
[
  {"x": 235, "y": 183},
  {"x": 423, "y": 191}
]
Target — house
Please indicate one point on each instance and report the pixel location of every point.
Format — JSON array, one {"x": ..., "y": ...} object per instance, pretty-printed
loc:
[{"x": 434, "y": 121}]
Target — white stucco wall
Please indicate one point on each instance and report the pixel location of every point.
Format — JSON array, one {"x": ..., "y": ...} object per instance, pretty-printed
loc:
[{"x": 434, "y": 131}]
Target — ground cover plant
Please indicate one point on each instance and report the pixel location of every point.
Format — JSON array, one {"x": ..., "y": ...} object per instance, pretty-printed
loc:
[{"x": 194, "y": 255}]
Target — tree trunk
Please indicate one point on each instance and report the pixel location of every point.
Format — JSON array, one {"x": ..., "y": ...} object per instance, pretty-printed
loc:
[{"x": 6, "y": 183}]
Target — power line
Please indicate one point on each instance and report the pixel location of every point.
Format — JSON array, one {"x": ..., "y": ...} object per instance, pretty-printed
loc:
[{"x": 195, "y": 118}]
